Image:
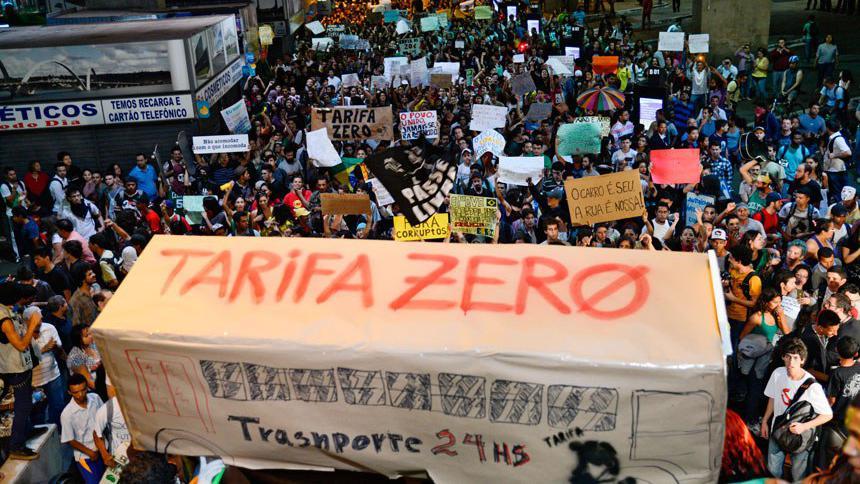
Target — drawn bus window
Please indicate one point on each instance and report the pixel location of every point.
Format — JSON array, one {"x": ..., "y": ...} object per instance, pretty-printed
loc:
[
  {"x": 168, "y": 384},
  {"x": 674, "y": 428}
]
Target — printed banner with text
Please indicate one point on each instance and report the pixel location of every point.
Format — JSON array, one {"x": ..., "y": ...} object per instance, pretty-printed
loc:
[
  {"x": 234, "y": 143},
  {"x": 473, "y": 215}
]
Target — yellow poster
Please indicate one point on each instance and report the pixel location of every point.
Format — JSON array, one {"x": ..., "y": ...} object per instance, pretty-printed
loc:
[{"x": 434, "y": 228}]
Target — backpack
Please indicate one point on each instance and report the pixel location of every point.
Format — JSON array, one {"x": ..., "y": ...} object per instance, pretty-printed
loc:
[
  {"x": 115, "y": 264},
  {"x": 797, "y": 412}
]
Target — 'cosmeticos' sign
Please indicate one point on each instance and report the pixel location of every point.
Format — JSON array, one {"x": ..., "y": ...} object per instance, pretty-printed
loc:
[{"x": 65, "y": 114}]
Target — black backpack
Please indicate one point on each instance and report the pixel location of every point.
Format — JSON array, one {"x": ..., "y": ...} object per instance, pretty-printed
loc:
[{"x": 797, "y": 412}]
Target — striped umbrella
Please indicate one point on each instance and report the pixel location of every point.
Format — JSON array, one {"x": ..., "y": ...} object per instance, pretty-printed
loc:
[{"x": 600, "y": 99}]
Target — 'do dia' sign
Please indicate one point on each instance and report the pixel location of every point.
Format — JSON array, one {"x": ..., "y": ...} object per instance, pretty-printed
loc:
[{"x": 473, "y": 365}]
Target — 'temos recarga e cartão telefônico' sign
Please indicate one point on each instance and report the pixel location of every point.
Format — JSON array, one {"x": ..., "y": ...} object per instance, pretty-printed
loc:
[{"x": 97, "y": 112}]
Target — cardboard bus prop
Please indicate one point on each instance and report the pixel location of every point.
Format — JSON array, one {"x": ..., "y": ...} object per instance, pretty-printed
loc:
[{"x": 470, "y": 363}]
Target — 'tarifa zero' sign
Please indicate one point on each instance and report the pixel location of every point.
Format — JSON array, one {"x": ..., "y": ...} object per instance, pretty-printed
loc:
[{"x": 65, "y": 114}]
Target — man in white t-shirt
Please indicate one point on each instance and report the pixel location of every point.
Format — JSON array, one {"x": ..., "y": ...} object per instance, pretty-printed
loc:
[
  {"x": 780, "y": 390},
  {"x": 78, "y": 420},
  {"x": 112, "y": 432},
  {"x": 47, "y": 374}
]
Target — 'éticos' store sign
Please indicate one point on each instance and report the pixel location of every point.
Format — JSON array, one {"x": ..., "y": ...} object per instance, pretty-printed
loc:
[{"x": 64, "y": 114}]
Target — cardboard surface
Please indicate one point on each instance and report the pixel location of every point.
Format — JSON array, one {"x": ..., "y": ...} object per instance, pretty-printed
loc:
[
  {"x": 472, "y": 362},
  {"x": 345, "y": 203},
  {"x": 595, "y": 199}
]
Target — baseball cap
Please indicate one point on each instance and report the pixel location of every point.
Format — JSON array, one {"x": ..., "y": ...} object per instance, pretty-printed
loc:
[
  {"x": 217, "y": 227},
  {"x": 773, "y": 197},
  {"x": 718, "y": 234},
  {"x": 759, "y": 127},
  {"x": 848, "y": 193},
  {"x": 742, "y": 205},
  {"x": 556, "y": 192},
  {"x": 793, "y": 58}
]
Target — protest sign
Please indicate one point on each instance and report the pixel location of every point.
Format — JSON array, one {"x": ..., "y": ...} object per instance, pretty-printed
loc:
[
  {"x": 349, "y": 42},
  {"x": 459, "y": 44},
  {"x": 410, "y": 46},
  {"x": 595, "y": 199},
  {"x": 603, "y": 121},
  {"x": 699, "y": 43},
  {"x": 669, "y": 167},
  {"x": 539, "y": 111},
  {"x": 429, "y": 24},
  {"x": 696, "y": 201},
  {"x": 403, "y": 27},
  {"x": 791, "y": 308},
  {"x": 334, "y": 30},
  {"x": 418, "y": 74},
  {"x": 489, "y": 141},
  {"x": 473, "y": 215},
  {"x": 418, "y": 178},
  {"x": 558, "y": 67},
  {"x": 345, "y": 203},
  {"x": 236, "y": 143},
  {"x": 266, "y": 35},
  {"x": 354, "y": 123},
  {"x": 391, "y": 16},
  {"x": 519, "y": 58},
  {"x": 315, "y": 27},
  {"x": 415, "y": 123},
  {"x": 193, "y": 207},
  {"x": 483, "y": 12},
  {"x": 487, "y": 117},
  {"x": 436, "y": 227},
  {"x": 236, "y": 117},
  {"x": 322, "y": 43},
  {"x": 350, "y": 80},
  {"x": 391, "y": 65},
  {"x": 516, "y": 170},
  {"x": 452, "y": 68},
  {"x": 379, "y": 83},
  {"x": 570, "y": 51},
  {"x": 320, "y": 149},
  {"x": 578, "y": 139},
  {"x": 383, "y": 198},
  {"x": 443, "y": 20},
  {"x": 441, "y": 80},
  {"x": 389, "y": 344},
  {"x": 523, "y": 84},
  {"x": 604, "y": 64},
  {"x": 671, "y": 42}
]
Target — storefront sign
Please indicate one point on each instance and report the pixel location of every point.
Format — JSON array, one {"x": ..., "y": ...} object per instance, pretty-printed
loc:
[
  {"x": 147, "y": 109},
  {"x": 220, "y": 84},
  {"x": 50, "y": 115}
]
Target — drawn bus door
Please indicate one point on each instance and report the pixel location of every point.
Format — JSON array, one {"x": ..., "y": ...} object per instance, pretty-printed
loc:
[{"x": 168, "y": 386}]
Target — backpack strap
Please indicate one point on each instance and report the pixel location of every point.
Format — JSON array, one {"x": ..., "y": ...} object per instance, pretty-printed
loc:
[
  {"x": 800, "y": 391},
  {"x": 745, "y": 284}
]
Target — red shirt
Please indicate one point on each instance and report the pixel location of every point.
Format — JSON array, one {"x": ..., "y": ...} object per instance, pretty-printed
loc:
[
  {"x": 292, "y": 200},
  {"x": 154, "y": 221},
  {"x": 770, "y": 222}
]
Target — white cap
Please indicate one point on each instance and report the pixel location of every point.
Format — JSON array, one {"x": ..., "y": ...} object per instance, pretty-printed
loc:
[{"x": 718, "y": 234}]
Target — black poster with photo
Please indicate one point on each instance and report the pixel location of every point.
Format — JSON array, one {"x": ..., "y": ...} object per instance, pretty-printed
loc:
[{"x": 418, "y": 178}]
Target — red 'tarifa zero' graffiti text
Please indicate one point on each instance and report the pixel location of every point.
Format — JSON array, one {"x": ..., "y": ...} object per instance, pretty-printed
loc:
[{"x": 539, "y": 281}]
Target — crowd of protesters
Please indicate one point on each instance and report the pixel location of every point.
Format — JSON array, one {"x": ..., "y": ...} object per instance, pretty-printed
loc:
[{"x": 783, "y": 222}]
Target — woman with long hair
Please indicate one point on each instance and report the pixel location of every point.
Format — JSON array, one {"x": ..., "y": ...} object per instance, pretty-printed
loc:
[
  {"x": 36, "y": 182},
  {"x": 84, "y": 359},
  {"x": 766, "y": 318},
  {"x": 742, "y": 459}
]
